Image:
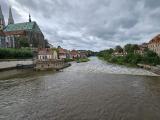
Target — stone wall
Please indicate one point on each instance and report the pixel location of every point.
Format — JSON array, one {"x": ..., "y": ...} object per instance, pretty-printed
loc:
[
  {"x": 50, "y": 64},
  {"x": 11, "y": 64}
]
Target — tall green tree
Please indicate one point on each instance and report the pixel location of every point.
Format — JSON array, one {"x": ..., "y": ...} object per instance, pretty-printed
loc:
[
  {"x": 130, "y": 48},
  {"x": 151, "y": 58},
  {"x": 118, "y": 49},
  {"x": 22, "y": 42}
]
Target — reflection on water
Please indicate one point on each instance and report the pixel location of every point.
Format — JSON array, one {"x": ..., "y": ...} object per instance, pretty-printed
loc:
[{"x": 79, "y": 93}]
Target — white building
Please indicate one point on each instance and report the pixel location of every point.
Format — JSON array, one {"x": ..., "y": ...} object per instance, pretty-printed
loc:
[{"x": 46, "y": 54}]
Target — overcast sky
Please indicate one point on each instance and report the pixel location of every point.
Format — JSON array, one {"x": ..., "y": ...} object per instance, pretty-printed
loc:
[{"x": 90, "y": 24}]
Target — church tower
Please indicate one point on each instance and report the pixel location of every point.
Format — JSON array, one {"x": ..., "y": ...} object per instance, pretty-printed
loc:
[
  {"x": 30, "y": 18},
  {"x": 2, "y": 22},
  {"x": 10, "y": 19}
]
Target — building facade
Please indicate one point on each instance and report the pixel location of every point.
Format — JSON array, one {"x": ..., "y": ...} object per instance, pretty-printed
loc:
[
  {"x": 27, "y": 31},
  {"x": 141, "y": 49},
  {"x": 47, "y": 59},
  {"x": 62, "y": 53},
  {"x": 46, "y": 54},
  {"x": 75, "y": 54},
  {"x": 154, "y": 44},
  {"x": 2, "y": 39}
]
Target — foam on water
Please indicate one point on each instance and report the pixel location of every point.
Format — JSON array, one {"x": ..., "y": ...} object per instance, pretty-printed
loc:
[{"x": 99, "y": 66}]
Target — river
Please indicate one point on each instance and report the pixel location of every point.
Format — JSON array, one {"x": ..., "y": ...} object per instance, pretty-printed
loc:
[{"x": 95, "y": 90}]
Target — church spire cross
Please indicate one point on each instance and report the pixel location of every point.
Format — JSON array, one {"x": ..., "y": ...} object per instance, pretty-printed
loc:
[
  {"x": 30, "y": 18},
  {"x": 2, "y": 22},
  {"x": 10, "y": 19},
  {"x": 0, "y": 11}
]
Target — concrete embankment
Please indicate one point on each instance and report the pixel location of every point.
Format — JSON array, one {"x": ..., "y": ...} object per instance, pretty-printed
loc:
[
  {"x": 12, "y": 64},
  {"x": 154, "y": 69}
]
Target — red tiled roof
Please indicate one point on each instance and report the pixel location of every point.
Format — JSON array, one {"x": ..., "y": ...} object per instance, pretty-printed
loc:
[
  {"x": 44, "y": 51},
  {"x": 62, "y": 51},
  {"x": 74, "y": 52},
  {"x": 155, "y": 39}
]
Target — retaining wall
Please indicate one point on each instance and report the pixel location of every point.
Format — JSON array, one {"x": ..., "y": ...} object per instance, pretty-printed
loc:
[{"x": 13, "y": 63}]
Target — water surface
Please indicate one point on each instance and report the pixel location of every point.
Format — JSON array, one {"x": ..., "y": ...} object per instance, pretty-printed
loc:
[{"x": 85, "y": 91}]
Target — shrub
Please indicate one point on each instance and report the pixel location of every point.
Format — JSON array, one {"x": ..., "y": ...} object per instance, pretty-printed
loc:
[{"x": 11, "y": 53}]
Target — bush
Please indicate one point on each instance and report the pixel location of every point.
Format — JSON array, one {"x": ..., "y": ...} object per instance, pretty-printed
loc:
[
  {"x": 11, "y": 53},
  {"x": 149, "y": 57},
  {"x": 68, "y": 60}
]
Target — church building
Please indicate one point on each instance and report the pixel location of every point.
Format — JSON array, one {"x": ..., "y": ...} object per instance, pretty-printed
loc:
[{"x": 11, "y": 33}]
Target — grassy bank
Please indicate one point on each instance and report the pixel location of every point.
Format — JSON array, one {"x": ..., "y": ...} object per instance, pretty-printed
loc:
[
  {"x": 12, "y": 53},
  {"x": 117, "y": 61},
  {"x": 131, "y": 59}
]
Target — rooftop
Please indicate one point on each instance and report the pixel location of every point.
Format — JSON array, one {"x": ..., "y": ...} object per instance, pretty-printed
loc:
[
  {"x": 27, "y": 26},
  {"x": 155, "y": 39},
  {"x": 62, "y": 51},
  {"x": 44, "y": 51}
]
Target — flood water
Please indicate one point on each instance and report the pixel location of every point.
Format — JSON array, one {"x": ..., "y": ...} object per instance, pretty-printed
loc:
[{"x": 94, "y": 90}]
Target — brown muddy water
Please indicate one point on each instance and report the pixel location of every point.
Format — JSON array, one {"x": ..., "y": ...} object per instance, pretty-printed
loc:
[{"x": 85, "y": 91}]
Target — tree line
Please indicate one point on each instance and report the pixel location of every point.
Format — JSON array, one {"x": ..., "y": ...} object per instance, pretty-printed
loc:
[{"x": 131, "y": 58}]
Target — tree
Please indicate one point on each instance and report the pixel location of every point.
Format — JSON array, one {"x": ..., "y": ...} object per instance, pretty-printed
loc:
[
  {"x": 130, "y": 48},
  {"x": 22, "y": 42},
  {"x": 127, "y": 48},
  {"x": 59, "y": 47},
  {"x": 46, "y": 44},
  {"x": 110, "y": 51},
  {"x": 135, "y": 47},
  {"x": 119, "y": 49},
  {"x": 151, "y": 58}
]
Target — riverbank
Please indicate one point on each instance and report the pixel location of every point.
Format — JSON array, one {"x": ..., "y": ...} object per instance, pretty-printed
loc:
[
  {"x": 12, "y": 64},
  {"x": 129, "y": 56},
  {"x": 153, "y": 69},
  {"x": 117, "y": 63}
]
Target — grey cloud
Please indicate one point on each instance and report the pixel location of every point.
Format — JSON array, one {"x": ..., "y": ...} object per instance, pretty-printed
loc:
[
  {"x": 5, "y": 9},
  {"x": 92, "y": 24},
  {"x": 152, "y": 3}
]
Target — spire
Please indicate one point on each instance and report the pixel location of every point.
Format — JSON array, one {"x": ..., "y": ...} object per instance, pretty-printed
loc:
[
  {"x": 2, "y": 22},
  {"x": 30, "y": 18},
  {"x": 10, "y": 19},
  {"x": 0, "y": 11}
]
